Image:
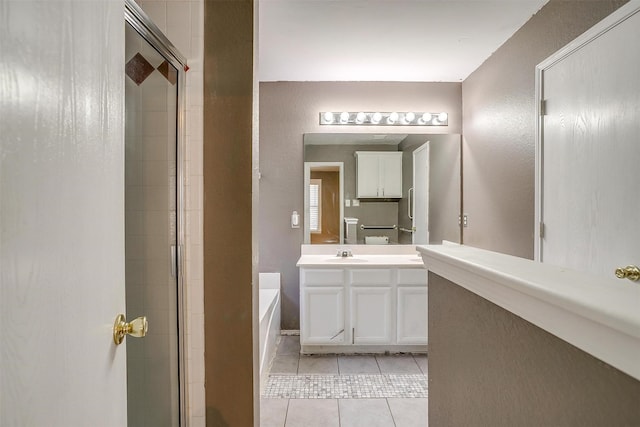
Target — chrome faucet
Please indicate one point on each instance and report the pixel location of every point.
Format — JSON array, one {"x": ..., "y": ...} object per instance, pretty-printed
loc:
[{"x": 344, "y": 253}]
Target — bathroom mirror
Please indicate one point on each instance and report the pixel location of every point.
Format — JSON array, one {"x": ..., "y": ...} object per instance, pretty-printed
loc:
[{"x": 418, "y": 202}]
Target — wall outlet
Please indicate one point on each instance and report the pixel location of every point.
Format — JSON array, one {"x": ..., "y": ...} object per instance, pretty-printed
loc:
[
  {"x": 463, "y": 220},
  {"x": 347, "y": 202},
  {"x": 355, "y": 202}
]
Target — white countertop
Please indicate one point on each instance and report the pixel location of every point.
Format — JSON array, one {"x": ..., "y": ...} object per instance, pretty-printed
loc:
[
  {"x": 362, "y": 261},
  {"x": 598, "y": 315},
  {"x": 364, "y": 256}
]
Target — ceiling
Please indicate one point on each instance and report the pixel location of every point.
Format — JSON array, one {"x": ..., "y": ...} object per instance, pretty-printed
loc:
[{"x": 388, "y": 40}]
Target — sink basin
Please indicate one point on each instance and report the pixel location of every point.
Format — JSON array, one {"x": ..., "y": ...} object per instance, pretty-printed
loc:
[{"x": 346, "y": 260}]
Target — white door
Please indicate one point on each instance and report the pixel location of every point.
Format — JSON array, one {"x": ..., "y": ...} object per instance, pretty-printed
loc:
[
  {"x": 371, "y": 319},
  {"x": 62, "y": 277},
  {"x": 590, "y": 153},
  {"x": 421, "y": 195}
]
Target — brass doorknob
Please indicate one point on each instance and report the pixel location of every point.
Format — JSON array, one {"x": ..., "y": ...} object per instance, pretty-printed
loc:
[
  {"x": 630, "y": 272},
  {"x": 136, "y": 328}
]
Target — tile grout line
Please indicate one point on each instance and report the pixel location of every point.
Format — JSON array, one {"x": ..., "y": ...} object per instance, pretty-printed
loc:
[
  {"x": 390, "y": 411},
  {"x": 286, "y": 413}
]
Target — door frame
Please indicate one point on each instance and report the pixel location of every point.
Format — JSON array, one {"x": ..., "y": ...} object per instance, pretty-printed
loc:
[
  {"x": 308, "y": 166},
  {"x": 139, "y": 20}
]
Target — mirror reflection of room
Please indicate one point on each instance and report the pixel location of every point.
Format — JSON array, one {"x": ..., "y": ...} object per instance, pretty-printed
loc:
[
  {"x": 382, "y": 188},
  {"x": 324, "y": 205}
]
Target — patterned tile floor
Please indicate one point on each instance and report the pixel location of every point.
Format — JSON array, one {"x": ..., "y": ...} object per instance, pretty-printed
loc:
[
  {"x": 346, "y": 386},
  {"x": 344, "y": 390}
]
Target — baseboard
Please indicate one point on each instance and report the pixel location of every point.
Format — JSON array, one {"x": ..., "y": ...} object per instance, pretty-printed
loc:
[{"x": 290, "y": 332}]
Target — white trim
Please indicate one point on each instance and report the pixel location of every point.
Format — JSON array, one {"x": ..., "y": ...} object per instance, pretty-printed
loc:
[{"x": 599, "y": 316}]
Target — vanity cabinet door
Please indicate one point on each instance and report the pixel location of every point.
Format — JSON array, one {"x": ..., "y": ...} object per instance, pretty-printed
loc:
[
  {"x": 391, "y": 174},
  {"x": 322, "y": 319},
  {"x": 371, "y": 316},
  {"x": 412, "y": 315}
]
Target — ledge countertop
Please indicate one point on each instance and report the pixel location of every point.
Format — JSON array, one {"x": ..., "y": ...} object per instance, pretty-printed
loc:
[{"x": 599, "y": 315}]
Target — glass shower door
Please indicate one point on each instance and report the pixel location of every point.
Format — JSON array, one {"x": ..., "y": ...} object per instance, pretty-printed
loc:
[{"x": 151, "y": 92}]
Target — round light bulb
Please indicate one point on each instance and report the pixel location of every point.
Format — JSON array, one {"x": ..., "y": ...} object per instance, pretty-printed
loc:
[
  {"x": 443, "y": 117},
  {"x": 360, "y": 117},
  {"x": 409, "y": 117},
  {"x": 426, "y": 118},
  {"x": 375, "y": 118},
  {"x": 344, "y": 117},
  {"x": 328, "y": 117},
  {"x": 393, "y": 117}
]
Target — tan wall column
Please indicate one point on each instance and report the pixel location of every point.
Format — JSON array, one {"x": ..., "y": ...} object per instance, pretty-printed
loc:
[{"x": 228, "y": 91}]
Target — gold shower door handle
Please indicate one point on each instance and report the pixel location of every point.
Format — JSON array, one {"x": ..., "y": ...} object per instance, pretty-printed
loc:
[
  {"x": 630, "y": 272},
  {"x": 136, "y": 328}
]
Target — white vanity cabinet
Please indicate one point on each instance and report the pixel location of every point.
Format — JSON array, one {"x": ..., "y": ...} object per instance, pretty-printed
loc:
[
  {"x": 370, "y": 305},
  {"x": 322, "y": 306},
  {"x": 371, "y": 309},
  {"x": 379, "y": 174},
  {"x": 412, "y": 307}
]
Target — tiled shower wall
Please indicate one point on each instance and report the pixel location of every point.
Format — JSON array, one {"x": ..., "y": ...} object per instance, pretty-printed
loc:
[{"x": 182, "y": 22}]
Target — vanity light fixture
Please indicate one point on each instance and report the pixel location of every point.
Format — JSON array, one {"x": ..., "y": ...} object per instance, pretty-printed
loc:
[{"x": 395, "y": 118}]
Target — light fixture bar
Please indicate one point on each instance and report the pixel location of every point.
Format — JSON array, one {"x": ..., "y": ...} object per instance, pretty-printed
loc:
[{"x": 372, "y": 118}]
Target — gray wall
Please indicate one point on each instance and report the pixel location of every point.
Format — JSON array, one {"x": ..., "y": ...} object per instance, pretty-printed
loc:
[
  {"x": 488, "y": 367},
  {"x": 290, "y": 109},
  {"x": 499, "y": 126}
]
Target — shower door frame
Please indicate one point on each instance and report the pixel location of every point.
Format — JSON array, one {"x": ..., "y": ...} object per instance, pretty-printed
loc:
[{"x": 140, "y": 22}]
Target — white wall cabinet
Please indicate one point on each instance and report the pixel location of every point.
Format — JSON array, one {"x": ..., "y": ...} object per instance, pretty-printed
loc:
[
  {"x": 363, "y": 309},
  {"x": 379, "y": 174}
]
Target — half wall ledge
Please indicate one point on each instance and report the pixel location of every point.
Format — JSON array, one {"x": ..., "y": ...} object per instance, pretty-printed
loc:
[{"x": 600, "y": 316}]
